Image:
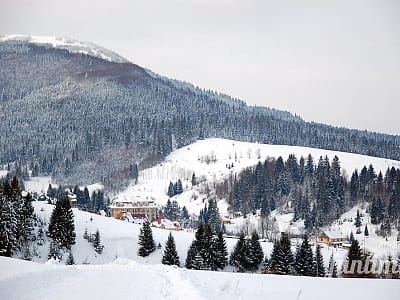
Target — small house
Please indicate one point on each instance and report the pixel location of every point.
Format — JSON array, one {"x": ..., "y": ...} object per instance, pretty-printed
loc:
[
  {"x": 332, "y": 238},
  {"x": 164, "y": 223}
]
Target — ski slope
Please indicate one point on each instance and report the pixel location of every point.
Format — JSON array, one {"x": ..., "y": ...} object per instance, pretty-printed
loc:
[{"x": 126, "y": 279}]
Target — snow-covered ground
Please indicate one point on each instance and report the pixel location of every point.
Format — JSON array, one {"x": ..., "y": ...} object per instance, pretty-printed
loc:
[
  {"x": 208, "y": 159},
  {"x": 211, "y": 159},
  {"x": 126, "y": 279},
  {"x": 69, "y": 44}
]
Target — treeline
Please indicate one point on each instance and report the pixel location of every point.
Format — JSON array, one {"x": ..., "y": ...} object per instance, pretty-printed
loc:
[
  {"x": 315, "y": 192},
  {"x": 84, "y": 201},
  {"x": 16, "y": 219},
  {"x": 108, "y": 113}
]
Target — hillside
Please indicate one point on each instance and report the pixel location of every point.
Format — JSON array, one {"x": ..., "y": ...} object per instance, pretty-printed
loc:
[
  {"x": 82, "y": 119},
  {"x": 209, "y": 160}
]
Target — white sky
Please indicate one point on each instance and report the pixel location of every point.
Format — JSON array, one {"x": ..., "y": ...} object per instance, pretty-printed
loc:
[{"x": 336, "y": 62}]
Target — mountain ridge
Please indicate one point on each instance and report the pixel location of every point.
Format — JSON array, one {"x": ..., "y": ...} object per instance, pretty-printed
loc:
[{"x": 83, "y": 118}]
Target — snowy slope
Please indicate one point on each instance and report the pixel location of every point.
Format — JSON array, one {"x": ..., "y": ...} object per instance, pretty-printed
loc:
[
  {"x": 71, "y": 45},
  {"x": 121, "y": 240},
  {"x": 209, "y": 158},
  {"x": 126, "y": 279}
]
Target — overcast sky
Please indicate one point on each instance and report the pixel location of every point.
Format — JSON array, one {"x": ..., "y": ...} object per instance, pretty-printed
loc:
[{"x": 336, "y": 62}]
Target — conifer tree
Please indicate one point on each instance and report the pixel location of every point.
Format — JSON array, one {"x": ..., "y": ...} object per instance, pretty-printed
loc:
[
  {"x": 5, "y": 244},
  {"x": 319, "y": 267},
  {"x": 220, "y": 252},
  {"x": 54, "y": 251},
  {"x": 366, "y": 233},
  {"x": 193, "y": 258},
  {"x": 238, "y": 257},
  {"x": 61, "y": 226},
  {"x": 332, "y": 268},
  {"x": 98, "y": 247},
  {"x": 194, "y": 180},
  {"x": 170, "y": 256},
  {"x": 304, "y": 259},
  {"x": 357, "y": 223},
  {"x": 171, "y": 190},
  {"x": 282, "y": 261},
  {"x": 256, "y": 253},
  {"x": 146, "y": 241}
]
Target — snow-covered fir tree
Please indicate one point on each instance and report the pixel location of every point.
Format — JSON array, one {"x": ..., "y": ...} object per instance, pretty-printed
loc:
[
  {"x": 170, "y": 256},
  {"x": 146, "y": 241}
]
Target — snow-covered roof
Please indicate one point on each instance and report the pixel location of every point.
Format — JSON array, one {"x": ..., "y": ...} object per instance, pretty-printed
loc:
[
  {"x": 167, "y": 224},
  {"x": 132, "y": 204},
  {"x": 334, "y": 234}
]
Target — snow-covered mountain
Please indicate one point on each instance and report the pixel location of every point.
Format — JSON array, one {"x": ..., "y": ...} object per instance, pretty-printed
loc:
[{"x": 72, "y": 45}]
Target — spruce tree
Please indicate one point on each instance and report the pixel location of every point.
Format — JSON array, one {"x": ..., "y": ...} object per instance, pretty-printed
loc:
[
  {"x": 238, "y": 257},
  {"x": 194, "y": 180},
  {"x": 221, "y": 252},
  {"x": 282, "y": 261},
  {"x": 319, "y": 267},
  {"x": 5, "y": 244},
  {"x": 256, "y": 253},
  {"x": 170, "y": 256},
  {"x": 366, "y": 233},
  {"x": 304, "y": 259},
  {"x": 61, "y": 226},
  {"x": 54, "y": 250},
  {"x": 146, "y": 241},
  {"x": 332, "y": 268},
  {"x": 98, "y": 247},
  {"x": 193, "y": 257},
  {"x": 357, "y": 223},
  {"x": 171, "y": 190}
]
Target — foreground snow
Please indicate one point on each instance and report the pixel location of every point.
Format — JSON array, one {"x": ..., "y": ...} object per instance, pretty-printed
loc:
[{"x": 131, "y": 280}]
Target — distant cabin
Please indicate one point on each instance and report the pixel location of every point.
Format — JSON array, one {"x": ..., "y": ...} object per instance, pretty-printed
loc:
[
  {"x": 332, "y": 238},
  {"x": 164, "y": 223}
]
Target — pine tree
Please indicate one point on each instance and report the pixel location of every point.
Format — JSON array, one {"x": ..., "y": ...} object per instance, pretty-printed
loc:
[
  {"x": 213, "y": 217},
  {"x": 192, "y": 257},
  {"x": 171, "y": 190},
  {"x": 170, "y": 256},
  {"x": 238, "y": 257},
  {"x": 194, "y": 180},
  {"x": 332, "y": 268},
  {"x": 5, "y": 244},
  {"x": 319, "y": 267},
  {"x": 357, "y": 223},
  {"x": 304, "y": 259},
  {"x": 98, "y": 247},
  {"x": 354, "y": 257},
  {"x": 366, "y": 233},
  {"x": 221, "y": 252},
  {"x": 282, "y": 261},
  {"x": 146, "y": 241},
  {"x": 54, "y": 251},
  {"x": 61, "y": 226},
  {"x": 256, "y": 253}
]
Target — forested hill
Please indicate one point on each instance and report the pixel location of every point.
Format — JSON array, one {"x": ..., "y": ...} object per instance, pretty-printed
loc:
[{"x": 85, "y": 119}]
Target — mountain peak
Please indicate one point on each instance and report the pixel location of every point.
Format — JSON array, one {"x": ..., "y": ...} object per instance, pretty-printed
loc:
[{"x": 69, "y": 44}]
